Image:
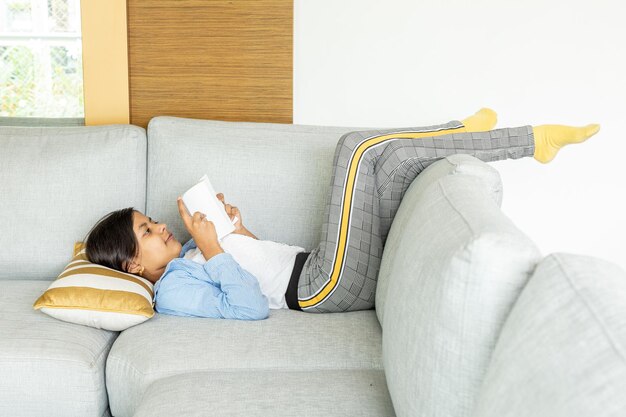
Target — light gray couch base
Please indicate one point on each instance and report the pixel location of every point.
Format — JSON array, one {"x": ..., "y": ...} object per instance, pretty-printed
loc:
[{"x": 436, "y": 345}]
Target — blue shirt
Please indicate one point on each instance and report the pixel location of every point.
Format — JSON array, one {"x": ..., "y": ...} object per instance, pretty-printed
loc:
[{"x": 219, "y": 288}]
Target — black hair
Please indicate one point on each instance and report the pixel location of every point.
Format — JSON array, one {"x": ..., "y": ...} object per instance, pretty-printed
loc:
[{"x": 111, "y": 241}]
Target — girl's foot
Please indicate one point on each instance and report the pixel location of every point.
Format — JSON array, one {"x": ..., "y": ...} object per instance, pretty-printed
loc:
[
  {"x": 483, "y": 120},
  {"x": 550, "y": 138}
]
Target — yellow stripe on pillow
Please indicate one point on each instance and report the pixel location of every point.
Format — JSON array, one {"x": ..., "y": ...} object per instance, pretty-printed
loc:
[
  {"x": 90, "y": 299},
  {"x": 78, "y": 246}
]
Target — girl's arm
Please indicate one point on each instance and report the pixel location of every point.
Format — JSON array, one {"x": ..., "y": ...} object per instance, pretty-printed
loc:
[{"x": 220, "y": 289}]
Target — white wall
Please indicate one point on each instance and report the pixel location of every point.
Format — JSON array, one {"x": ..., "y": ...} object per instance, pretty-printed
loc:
[{"x": 412, "y": 63}]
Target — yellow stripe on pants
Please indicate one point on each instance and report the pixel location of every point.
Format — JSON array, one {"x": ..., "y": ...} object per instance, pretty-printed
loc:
[{"x": 337, "y": 267}]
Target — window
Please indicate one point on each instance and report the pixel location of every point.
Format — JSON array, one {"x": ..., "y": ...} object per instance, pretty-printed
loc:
[{"x": 41, "y": 72}]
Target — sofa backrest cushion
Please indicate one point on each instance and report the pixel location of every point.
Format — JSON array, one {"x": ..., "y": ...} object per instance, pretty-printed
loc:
[
  {"x": 562, "y": 351},
  {"x": 458, "y": 266},
  {"x": 278, "y": 175},
  {"x": 459, "y": 164},
  {"x": 56, "y": 183}
]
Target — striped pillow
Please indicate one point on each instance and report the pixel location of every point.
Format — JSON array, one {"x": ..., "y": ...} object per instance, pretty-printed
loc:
[{"x": 94, "y": 295}]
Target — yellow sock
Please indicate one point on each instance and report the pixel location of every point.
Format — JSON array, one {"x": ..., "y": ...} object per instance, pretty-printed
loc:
[
  {"x": 483, "y": 120},
  {"x": 550, "y": 138}
]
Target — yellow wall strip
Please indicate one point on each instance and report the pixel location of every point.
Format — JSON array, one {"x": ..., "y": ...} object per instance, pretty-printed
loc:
[{"x": 105, "y": 61}]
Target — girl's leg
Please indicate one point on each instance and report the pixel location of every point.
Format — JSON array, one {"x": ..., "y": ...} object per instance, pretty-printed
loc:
[
  {"x": 340, "y": 274},
  {"x": 372, "y": 171}
]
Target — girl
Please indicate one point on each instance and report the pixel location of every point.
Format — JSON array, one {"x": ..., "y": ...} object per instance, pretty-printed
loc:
[
  {"x": 198, "y": 278},
  {"x": 241, "y": 276}
]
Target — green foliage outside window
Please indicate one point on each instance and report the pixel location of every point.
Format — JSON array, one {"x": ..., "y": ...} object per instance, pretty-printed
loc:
[{"x": 40, "y": 59}]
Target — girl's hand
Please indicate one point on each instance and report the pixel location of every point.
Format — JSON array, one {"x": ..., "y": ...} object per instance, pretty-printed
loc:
[
  {"x": 232, "y": 212},
  {"x": 201, "y": 230}
]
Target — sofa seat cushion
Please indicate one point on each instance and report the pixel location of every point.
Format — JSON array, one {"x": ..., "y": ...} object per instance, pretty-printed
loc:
[
  {"x": 287, "y": 340},
  {"x": 48, "y": 367},
  {"x": 269, "y": 393},
  {"x": 562, "y": 351}
]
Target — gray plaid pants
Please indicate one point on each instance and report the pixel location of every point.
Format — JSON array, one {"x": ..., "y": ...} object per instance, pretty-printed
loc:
[{"x": 371, "y": 172}]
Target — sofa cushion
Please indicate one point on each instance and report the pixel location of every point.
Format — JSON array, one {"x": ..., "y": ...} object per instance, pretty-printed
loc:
[
  {"x": 459, "y": 164},
  {"x": 287, "y": 340},
  {"x": 48, "y": 367},
  {"x": 269, "y": 393},
  {"x": 459, "y": 265},
  {"x": 56, "y": 183},
  {"x": 562, "y": 351},
  {"x": 282, "y": 195},
  {"x": 94, "y": 295}
]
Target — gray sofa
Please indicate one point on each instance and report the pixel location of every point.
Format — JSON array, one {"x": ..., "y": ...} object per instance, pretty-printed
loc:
[{"x": 470, "y": 319}]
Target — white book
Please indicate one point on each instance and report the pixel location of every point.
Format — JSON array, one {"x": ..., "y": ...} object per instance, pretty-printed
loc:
[{"x": 201, "y": 197}]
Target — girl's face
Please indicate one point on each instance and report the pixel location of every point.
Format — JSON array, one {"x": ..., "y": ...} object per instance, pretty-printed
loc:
[{"x": 157, "y": 247}]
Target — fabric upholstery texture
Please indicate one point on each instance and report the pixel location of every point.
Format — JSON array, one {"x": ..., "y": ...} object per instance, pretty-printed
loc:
[
  {"x": 94, "y": 295},
  {"x": 457, "y": 338},
  {"x": 562, "y": 351},
  {"x": 358, "y": 393},
  {"x": 80, "y": 174},
  {"x": 458, "y": 164},
  {"x": 458, "y": 267},
  {"x": 48, "y": 367},
  {"x": 287, "y": 341},
  {"x": 242, "y": 161}
]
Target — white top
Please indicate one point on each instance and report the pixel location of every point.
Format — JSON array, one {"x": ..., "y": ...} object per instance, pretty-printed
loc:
[{"x": 270, "y": 262}]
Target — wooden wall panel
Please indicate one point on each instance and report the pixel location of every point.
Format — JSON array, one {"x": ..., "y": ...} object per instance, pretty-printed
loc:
[{"x": 211, "y": 59}]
